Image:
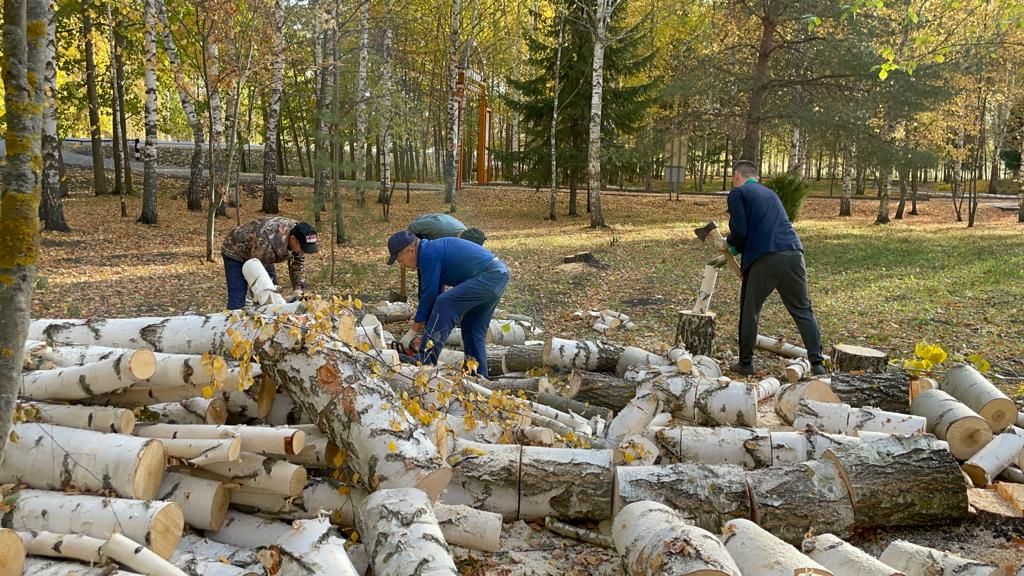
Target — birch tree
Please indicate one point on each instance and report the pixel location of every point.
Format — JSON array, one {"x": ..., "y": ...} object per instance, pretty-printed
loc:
[
  {"x": 362, "y": 94},
  {"x": 321, "y": 141},
  {"x": 274, "y": 114},
  {"x": 99, "y": 174},
  {"x": 452, "y": 136},
  {"x": 51, "y": 209},
  {"x": 386, "y": 113},
  {"x": 553, "y": 201},
  {"x": 194, "y": 193},
  {"x": 149, "y": 178},
  {"x": 115, "y": 111},
  {"x": 24, "y": 53}
]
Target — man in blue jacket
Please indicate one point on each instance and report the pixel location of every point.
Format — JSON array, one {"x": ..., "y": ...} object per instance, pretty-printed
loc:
[
  {"x": 477, "y": 279},
  {"x": 773, "y": 259}
]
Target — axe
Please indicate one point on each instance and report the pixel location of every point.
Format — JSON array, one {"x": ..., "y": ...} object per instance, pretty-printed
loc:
[{"x": 711, "y": 231}]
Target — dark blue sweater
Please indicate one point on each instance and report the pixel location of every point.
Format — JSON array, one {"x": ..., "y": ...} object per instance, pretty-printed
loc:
[
  {"x": 446, "y": 262},
  {"x": 758, "y": 224}
]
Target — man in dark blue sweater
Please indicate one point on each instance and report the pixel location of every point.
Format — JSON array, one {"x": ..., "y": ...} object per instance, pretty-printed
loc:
[
  {"x": 773, "y": 259},
  {"x": 477, "y": 279}
]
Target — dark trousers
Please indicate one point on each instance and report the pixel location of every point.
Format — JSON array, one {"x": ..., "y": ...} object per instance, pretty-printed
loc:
[
  {"x": 237, "y": 286},
  {"x": 785, "y": 272},
  {"x": 470, "y": 305}
]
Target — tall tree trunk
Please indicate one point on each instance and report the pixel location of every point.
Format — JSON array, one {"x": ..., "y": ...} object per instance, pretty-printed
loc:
[
  {"x": 320, "y": 173},
  {"x": 958, "y": 164},
  {"x": 553, "y": 200},
  {"x": 602, "y": 14},
  {"x": 122, "y": 120},
  {"x": 998, "y": 138},
  {"x": 24, "y": 53},
  {"x": 362, "y": 95},
  {"x": 386, "y": 114},
  {"x": 338, "y": 153},
  {"x": 904, "y": 174},
  {"x": 115, "y": 140},
  {"x": 51, "y": 210},
  {"x": 270, "y": 138},
  {"x": 452, "y": 137},
  {"x": 884, "y": 184},
  {"x": 295, "y": 140},
  {"x": 796, "y": 154},
  {"x": 862, "y": 176},
  {"x": 194, "y": 194},
  {"x": 99, "y": 175},
  {"x": 149, "y": 178},
  {"x": 215, "y": 203},
  {"x": 573, "y": 194},
  {"x": 755, "y": 103},
  {"x": 913, "y": 191},
  {"x": 849, "y": 175}
]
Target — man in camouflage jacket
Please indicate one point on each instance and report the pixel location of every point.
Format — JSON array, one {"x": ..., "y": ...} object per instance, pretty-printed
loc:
[{"x": 270, "y": 240}]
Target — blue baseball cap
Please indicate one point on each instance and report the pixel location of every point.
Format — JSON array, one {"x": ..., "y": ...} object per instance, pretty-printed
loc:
[{"x": 399, "y": 241}]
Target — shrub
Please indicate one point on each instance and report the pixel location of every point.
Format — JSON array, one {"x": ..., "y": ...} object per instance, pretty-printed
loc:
[{"x": 791, "y": 190}]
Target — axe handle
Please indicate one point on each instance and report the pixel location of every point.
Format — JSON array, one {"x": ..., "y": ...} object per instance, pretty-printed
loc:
[{"x": 715, "y": 235}]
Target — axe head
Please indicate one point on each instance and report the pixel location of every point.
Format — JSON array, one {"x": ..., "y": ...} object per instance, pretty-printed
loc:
[{"x": 703, "y": 231}]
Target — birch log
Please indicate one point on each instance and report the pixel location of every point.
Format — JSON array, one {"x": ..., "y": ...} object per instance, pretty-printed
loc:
[
  {"x": 787, "y": 400},
  {"x": 402, "y": 535},
  {"x": 780, "y": 347},
  {"x": 195, "y": 564},
  {"x": 522, "y": 358},
  {"x": 206, "y": 548},
  {"x": 485, "y": 477},
  {"x": 632, "y": 356},
  {"x": 706, "y": 495},
  {"x": 469, "y": 528},
  {"x": 725, "y": 403},
  {"x": 681, "y": 358},
  {"x": 767, "y": 388},
  {"x": 203, "y": 502},
  {"x": 888, "y": 391},
  {"x": 844, "y": 559},
  {"x": 198, "y": 452},
  {"x": 809, "y": 497},
  {"x": 171, "y": 369},
  {"x": 137, "y": 557},
  {"x": 635, "y": 450},
  {"x": 566, "y": 483},
  {"x": 869, "y": 419},
  {"x": 255, "y": 471},
  {"x": 635, "y": 416},
  {"x": 264, "y": 440},
  {"x": 12, "y": 553},
  {"x": 707, "y": 290},
  {"x": 260, "y": 285},
  {"x": 68, "y": 546},
  {"x": 35, "y": 566},
  {"x": 90, "y": 380},
  {"x": 952, "y": 421},
  {"x": 707, "y": 367},
  {"x": 987, "y": 463},
  {"x": 797, "y": 369},
  {"x": 95, "y": 418},
  {"x": 828, "y": 417},
  {"x": 54, "y": 457},
  {"x": 969, "y": 386},
  {"x": 901, "y": 481},
  {"x": 653, "y": 540},
  {"x": 916, "y": 560},
  {"x": 747, "y": 447},
  {"x": 601, "y": 389},
  {"x": 307, "y": 550},
  {"x": 758, "y": 553},
  {"x": 191, "y": 411},
  {"x": 568, "y": 354},
  {"x": 156, "y": 523}
]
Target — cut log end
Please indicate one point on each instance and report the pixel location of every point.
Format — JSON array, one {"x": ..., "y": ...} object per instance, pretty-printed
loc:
[
  {"x": 142, "y": 364},
  {"x": 967, "y": 436},
  {"x": 166, "y": 529},
  {"x": 12, "y": 553},
  {"x": 435, "y": 482},
  {"x": 150, "y": 472}
]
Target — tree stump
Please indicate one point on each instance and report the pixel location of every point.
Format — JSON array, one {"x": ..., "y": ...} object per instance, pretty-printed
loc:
[
  {"x": 696, "y": 332},
  {"x": 851, "y": 358}
]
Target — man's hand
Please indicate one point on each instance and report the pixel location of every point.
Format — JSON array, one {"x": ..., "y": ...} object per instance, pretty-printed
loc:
[
  {"x": 721, "y": 244},
  {"x": 418, "y": 326}
]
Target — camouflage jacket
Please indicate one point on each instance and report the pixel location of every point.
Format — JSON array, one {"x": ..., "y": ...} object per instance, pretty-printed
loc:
[{"x": 267, "y": 240}]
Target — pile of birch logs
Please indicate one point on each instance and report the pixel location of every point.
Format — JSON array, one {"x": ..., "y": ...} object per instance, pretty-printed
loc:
[{"x": 143, "y": 443}]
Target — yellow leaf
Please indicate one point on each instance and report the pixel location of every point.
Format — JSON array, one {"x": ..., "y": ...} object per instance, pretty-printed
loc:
[
  {"x": 338, "y": 459},
  {"x": 396, "y": 426},
  {"x": 364, "y": 346},
  {"x": 223, "y": 560},
  {"x": 354, "y": 536},
  {"x": 207, "y": 392},
  {"x": 14, "y": 437},
  {"x": 358, "y": 304},
  {"x": 344, "y": 490},
  {"x": 628, "y": 456},
  {"x": 392, "y": 447}
]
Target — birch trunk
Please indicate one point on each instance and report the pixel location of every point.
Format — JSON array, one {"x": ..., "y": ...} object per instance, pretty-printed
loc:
[
  {"x": 262, "y": 440},
  {"x": 809, "y": 497},
  {"x": 149, "y": 177},
  {"x": 204, "y": 503},
  {"x": 553, "y": 200},
  {"x": 24, "y": 55},
  {"x": 198, "y": 451},
  {"x": 321, "y": 141},
  {"x": 273, "y": 114},
  {"x": 402, "y": 534},
  {"x": 388, "y": 86},
  {"x": 469, "y": 528},
  {"x": 257, "y": 472},
  {"x": 602, "y": 14},
  {"x": 90, "y": 380},
  {"x": 138, "y": 557},
  {"x": 190, "y": 411},
  {"x": 485, "y": 477},
  {"x": 916, "y": 560},
  {"x": 952, "y": 421},
  {"x": 361, "y": 100},
  {"x": 99, "y": 173},
  {"x": 51, "y": 207},
  {"x": 758, "y": 553},
  {"x": 157, "y": 523},
  {"x": 747, "y": 447},
  {"x": 565, "y": 483},
  {"x": 132, "y": 467},
  {"x": 68, "y": 546},
  {"x": 706, "y": 495},
  {"x": 35, "y": 566},
  {"x": 95, "y": 418},
  {"x": 969, "y": 386},
  {"x": 115, "y": 112},
  {"x": 844, "y": 559},
  {"x": 215, "y": 153},
  {"x": 452, "y": 135},
  {"x": 595, "y": 356}
]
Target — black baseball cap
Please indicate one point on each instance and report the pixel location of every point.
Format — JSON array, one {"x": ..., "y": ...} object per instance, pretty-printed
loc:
[
  {"x": 399, "y": 241},
  {"x": 306, "y": 235}
]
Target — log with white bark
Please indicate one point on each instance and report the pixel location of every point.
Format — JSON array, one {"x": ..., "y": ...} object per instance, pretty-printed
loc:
[
  {"x": 249, "y": 532},
  {"x": 505, "y": 333},
  {"x": 89, "y": 380},
  {"x": 393, "y": 311},
  {"x": 797, "y": 369},
  {"x": 206, "y": 548},
  {"x": 318, "y": 453},
  {"x": 695, "y": 331},
  {"x": 138, "y": 396},
  {"x": 307, "y": 550},
  {"x": 767, "y": 388},
  {"x": 36, "y": 566},
  {"x": 261, "y": 286},
  {"x": 851, "y": 358},
  {"x": 914, "y": 560},
  {"x": 565, "y": 482},
  {"x": 157, "y": 523},
  {"x": 758, "y": 553},
  {"x": 197, "y": 565},
  {"x": 809, "y": 497},
  {"x": 204, "y": 451},
  {"x": 828, "y": 417},
  {"x": 780, "y": 347},
  {"x": 635, "y": 450},
  {"x": 190, "y": 411},
  {"x": 259, "y": 472},
  {"x": 469, "y": 528},
  {"x": 885, "y": 390},
  {"x": 787, "y": 400},
  {"x": 901, "y": 481},
  {"x": 1012, "y": 474},
  {"x": 632, "y": 356},
  {"x": 485, "y": 477},
  {"x": 869, "y": 419},
  {"x": 68, "y": 546},
  {"x": 54, "y": 457},
  {"x": 677, "y": 394},
  {"x": 320, "y": 496},
  {"x": 402, "y": 535},
  {"x": 952, "y": 421},
  {"x": 134, "y": 555},
  {"x": 601, "y": 389},
  {"x": 707, "y": 495},
  {"x": 707, "y": 367},
  {"x": 95, "y": 418},
  {"x": 534, "y": 436},
  {"x": 171, "y": 369},
  {"x": 203, "y": 502},
  {"x": 747, "y": 447},
  {"x": 571, "y": 406},
  {"x": 522, "y": 358},
  {"x": 578, "y": 533},
  {"x": 285, "y": 412},
  {"x": 584, "y": 354},
  {"x": 637, "y": 415},
  {"x": 12, "y": 553},
  {"x": 920, "y": 384},
  {"x": 682, "y": 359},
  {"x": 655, "y": 540},
  {"x": 370, "y": 331},
  {"x": 987, "y": 463},
  {"x": 969, "y": 386},
  {"x": 707, "y": 290},
  {"x": 725, "y": 403},
  {"x": 265, "y": 440},
  {"x": 534, "y": 384},
  {"x": 844, "y": 559}
]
